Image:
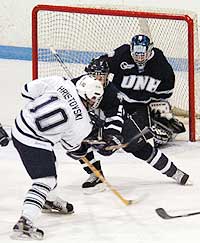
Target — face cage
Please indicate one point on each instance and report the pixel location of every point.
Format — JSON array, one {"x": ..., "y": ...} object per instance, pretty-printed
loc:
[
  {"x": 95, "y": 105},
  {"x": 140, "y": 58},
  {"x": 140, "y": 55}
]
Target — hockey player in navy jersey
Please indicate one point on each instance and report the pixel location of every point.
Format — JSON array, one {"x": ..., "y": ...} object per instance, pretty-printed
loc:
[
  {"x": 111, "y": 109},
  {"x": 122, "y": 127},
  {"x": 146, "y": 80},
  {"x": 56, "y": 112}
]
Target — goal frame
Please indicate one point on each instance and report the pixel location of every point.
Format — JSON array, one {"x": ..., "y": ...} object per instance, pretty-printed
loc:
[{"x": 128, "y": 13}]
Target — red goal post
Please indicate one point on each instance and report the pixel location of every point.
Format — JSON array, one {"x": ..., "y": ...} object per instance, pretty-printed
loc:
[{"x": 81, "y": 33}]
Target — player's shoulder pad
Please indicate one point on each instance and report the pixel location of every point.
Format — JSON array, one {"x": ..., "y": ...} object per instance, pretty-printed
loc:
[
  {"x": 119, "y": 50},
  {"x": 123, "y": 48},
  {"x": 158, "y": 52},
  {"x": 110, "y": 90}
]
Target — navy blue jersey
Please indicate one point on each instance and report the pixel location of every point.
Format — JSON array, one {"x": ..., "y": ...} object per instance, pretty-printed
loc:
[{"x": 156, "y": 82}]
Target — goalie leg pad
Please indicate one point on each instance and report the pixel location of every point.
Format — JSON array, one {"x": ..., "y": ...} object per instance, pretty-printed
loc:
[
  {"x": 160, "y": 109},
  {"x": 176, "y": 126},
  {"x": 161, "y": 134}
]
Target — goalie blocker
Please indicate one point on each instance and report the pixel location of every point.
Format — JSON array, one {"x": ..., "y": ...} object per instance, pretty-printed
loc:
[{"x": 165, "y": 126}]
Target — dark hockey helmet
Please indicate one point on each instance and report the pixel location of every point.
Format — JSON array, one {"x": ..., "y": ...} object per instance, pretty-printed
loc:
[
  {"x": 99, "y": 69},
  {"x": 141, "y": 48}
]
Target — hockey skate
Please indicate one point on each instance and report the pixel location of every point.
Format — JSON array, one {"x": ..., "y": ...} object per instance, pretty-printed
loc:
[
  {"x": 181, "y": 178},
  {"x": 93, "y": 185},
  {"x": 24, "y": 230},
  {"x": 58, "y": 206}
]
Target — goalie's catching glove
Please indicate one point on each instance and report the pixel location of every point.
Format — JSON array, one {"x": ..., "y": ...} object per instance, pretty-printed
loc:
[
  {"x": 4, "y": 138},
  {"x": 110, "y": 140}
]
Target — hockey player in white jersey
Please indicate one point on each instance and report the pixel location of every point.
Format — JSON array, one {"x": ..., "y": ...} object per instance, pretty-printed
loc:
[{"x": 56, "y": 112}]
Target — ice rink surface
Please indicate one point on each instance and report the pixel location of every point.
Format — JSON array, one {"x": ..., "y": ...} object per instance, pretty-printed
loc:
[{"x": 102, "y": 217}]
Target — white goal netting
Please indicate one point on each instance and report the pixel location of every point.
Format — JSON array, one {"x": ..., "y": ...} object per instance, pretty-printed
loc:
[{"x": 83, "y": 33}]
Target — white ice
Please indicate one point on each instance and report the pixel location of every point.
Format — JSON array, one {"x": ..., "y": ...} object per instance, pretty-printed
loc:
[{"x": 102, "y": 217}]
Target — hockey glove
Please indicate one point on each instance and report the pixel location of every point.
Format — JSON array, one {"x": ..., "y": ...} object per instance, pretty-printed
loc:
[
  {"x": 79, "y": 153},
  {"x": 4, "y": 139},
  {"x": 96, "y": 121},
  {"x": 110, "y": 141}
]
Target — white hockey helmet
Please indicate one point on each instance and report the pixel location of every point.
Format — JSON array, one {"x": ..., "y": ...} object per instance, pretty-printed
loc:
[{"x": 91, "y": 90}]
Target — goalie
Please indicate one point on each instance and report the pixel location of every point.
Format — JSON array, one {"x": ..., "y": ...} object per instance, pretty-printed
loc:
[
  {"x": 165, "y": 126},
  {"x": 143, "y": 75}
]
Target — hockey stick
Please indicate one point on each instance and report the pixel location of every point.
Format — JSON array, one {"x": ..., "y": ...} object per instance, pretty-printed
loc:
[
  {"x": 164, "y": 215},
  {"x": 141, "y": 133},
  {"x": 94, "y": 142},
  {"x": 99, "y": 175},
  {"x": 69, "y": 74},
  {"x": 61, "y": 62}
]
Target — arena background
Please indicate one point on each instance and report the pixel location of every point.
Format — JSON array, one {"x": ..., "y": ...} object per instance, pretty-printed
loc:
[{"x": 15, "y": 43}]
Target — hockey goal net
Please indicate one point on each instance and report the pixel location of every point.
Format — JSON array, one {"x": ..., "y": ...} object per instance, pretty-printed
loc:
[{"x": 80, "y": 33}]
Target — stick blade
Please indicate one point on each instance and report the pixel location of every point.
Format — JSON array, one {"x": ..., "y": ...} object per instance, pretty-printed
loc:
[
  {"x": 162, "y": 213},
  {"x": 131, "y": 202},
  {"x": 137, "y": 200}
]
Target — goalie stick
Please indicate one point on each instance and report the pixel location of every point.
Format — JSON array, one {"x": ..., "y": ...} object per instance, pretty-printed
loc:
[
  {"x": 61, "y": 62},
  {"x": 164, "y": 215},
  {"x": 141, "y": 133},
  {"x": 69, "y": 74}
]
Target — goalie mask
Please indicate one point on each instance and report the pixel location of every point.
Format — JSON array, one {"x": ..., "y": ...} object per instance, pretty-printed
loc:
[
  {"x": 99, "y": 69},
  {"x": 90, "y": 90},
  {"x": 141, "y": 49}
]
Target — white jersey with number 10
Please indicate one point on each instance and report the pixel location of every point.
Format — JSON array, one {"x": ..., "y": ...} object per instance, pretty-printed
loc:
[{"x": 54, "y": 113}]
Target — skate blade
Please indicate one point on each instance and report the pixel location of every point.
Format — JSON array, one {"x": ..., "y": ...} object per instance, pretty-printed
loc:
[
  {"x": 52, "y": 211},
  {"x": 92, "y": 190},
  {"x": 26, "y": 236},
  {"x": 189, "y": 183}
]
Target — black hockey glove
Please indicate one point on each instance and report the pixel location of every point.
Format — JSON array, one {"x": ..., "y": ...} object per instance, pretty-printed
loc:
[
  {"x": 97, "y": 122},
  {"x": 110, "y": 141},
  {"x": 79, "y": 153},
  {"x": 4, "y": 139}
]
